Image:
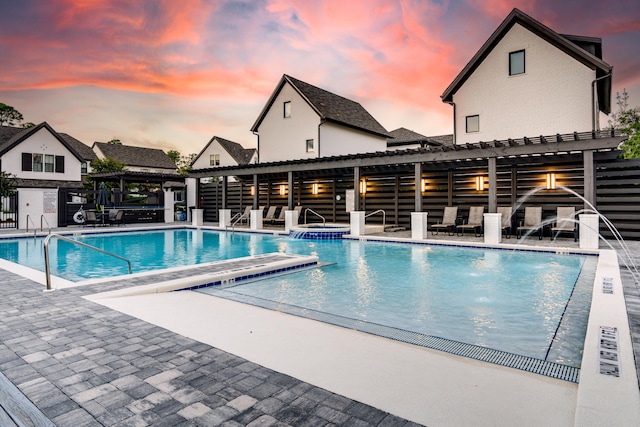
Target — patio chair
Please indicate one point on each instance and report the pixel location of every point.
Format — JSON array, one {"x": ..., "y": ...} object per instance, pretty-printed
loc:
[
  {"x": 448, "y": 221},
  {"x": 532, "y": 222},
  {"x": 117, "y": 219},
  {"x": 245, "y": 216},
  {"x": 474, "y": 222},
  {"x": 280, "y": 218},
  {"x": 565, "y": 222},
  {"x": 506, "y": 212},
  {"x": 90, "y": 218},
  {"x": 271, "y": 213}
]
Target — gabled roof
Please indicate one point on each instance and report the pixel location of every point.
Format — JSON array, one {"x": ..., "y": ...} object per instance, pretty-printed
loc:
[
  {"x": 329, "y": 106},
  {"x": 12, "y": 136},
  {"x": 136, "y": 156},
  {"x": 81, "y": 148},
  {"x": 241, "y": 155},
  {"x": 567, "y": 44},
  {"x": 404, "y": 136}
]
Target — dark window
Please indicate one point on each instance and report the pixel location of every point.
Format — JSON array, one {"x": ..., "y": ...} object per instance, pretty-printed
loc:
[
  {"x": 516, "y": 62},
  {"x": 473, "y": 123},
  {"x": 287, "y": 109},
  {"x": 37, "y": 162},
  {"x": 309, "y": 145},
  {"x": 214, "y": 160},
  {"x": 83, "y": 167},
  {"x": 26, "y": 162},
  {"x": 60, "y": 164},
  {"x": 48, "y": 162}
]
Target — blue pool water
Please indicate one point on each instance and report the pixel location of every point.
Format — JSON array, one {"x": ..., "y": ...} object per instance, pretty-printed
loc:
[{"x": 506, "y": 300}]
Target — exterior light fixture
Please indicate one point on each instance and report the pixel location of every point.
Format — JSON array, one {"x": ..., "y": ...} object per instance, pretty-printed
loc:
[
  {"x": 314, "y": 188},
  {"x": 480, "y": 183},
  {"x": 363, "y": 186},
  {"x": 551, "y": 181},
  {"x": 282, "y": 189},
  {"x": 253, "y": 190},
  {"x": 423, "y": 185}
]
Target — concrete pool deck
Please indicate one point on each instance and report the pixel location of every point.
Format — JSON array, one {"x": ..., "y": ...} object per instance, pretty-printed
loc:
[{"x": 84, "y": 363}]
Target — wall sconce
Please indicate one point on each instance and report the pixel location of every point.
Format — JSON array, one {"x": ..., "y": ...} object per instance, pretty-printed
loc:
[
  {"x": 423, "y": 185},
  {"x": 551, "y": 181},
  {"x": 314, "y": 188},
  {"x": 363, "y": 186},
  {"x": 253, "y": 190},
  {"x": 282, "y": 189},
  {"x": 480, "y": 183}
]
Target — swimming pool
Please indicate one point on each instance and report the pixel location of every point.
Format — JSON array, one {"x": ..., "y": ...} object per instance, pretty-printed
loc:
[{"x": 511, "y": 301}]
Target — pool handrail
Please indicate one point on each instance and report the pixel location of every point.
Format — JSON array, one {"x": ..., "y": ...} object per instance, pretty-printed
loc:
[
  {"x": 384, "y": 216},
  {"x": 47, "y": 268},
  {"x": 316, "y": 214},
  {"x": 34, "y": 226},
  {"x": 45, "y": 220}
]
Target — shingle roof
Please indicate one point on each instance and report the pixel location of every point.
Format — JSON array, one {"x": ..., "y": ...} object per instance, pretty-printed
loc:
[
  {"x": 329, "y": 107},
  {"x": 12, "y": 136},
  {"x": 404, "y": 136},
  {"x": 81, "y": 148},
  {"x": 241, "y": 155},
  {"x": 9, "y": 135},
  {"x": 136, "y": 156},
  {"x": 565, "y": 43}
]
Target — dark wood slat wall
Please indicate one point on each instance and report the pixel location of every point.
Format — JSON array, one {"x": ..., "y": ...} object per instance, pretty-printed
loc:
[{"x": 617, "y": 191}]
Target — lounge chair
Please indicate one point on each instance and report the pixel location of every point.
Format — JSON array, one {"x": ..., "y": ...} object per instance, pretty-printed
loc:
[
  {"x": 532, "y": 222},
  {"x": 506, "y": 212},
  {"x": 448, "y": 221},
  {"x": 271, "y": 213},
  {"x": 244, "y": 216},
  {"x": 117, "y": 219},
  {"x": 474, "y": 222},
  {"x": 91, "y": 218},
  {"x": 280, "y": 218},
  {"x": 565, "y": 222}
]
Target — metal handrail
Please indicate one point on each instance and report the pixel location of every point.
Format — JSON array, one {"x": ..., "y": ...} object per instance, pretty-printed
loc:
[
  {"x": 47, "y": 268},
  {"x": 45, "y": 220},
  {"x": 384, "y": 216},
  {"x": 238, "y": 217},
  {"x": 316, "y": 214},
  {"x": 34, "y": 226}
]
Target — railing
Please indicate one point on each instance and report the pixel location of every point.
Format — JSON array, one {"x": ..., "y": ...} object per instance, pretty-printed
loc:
[
  {"x": 234, "y": 220},
  {"x": 316, "y": 214},
  {"x": 66, "y": 239},
  {"x": 384, "y": 216},
  {"x": 45, "y": 220},
  {"x": 34, "y": 226}
]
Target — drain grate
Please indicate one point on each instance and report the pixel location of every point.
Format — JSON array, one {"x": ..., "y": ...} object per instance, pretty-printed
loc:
[{"x": 484, "y": 354}]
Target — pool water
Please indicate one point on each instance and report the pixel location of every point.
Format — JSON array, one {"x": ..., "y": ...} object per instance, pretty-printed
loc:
[{"x": 506, "y": 300}]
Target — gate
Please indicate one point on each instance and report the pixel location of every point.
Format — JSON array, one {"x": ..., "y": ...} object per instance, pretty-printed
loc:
[{"x": 9, "y": 211}]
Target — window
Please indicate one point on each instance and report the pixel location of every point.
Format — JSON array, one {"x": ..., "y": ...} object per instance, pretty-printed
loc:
[
  {"x": 37, "y": 162},
  {"x": 214, "y": 160},
  {"x": 287, "y": 109},
  {"x": 473, "y": 123},
  {"x": 516, "y": 62},
  {"x": 83, "y": 168},
  {"x": 49, "y": 162},
  {"x": 309, "y": 145}
]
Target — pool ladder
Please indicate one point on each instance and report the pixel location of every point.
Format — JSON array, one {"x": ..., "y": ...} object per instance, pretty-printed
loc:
[
  {"x": 66, "y": 239},
  {"x": 316, "y": 214}
]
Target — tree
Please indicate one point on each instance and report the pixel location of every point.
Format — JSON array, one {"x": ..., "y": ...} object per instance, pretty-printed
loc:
[
  {"x": 183, "y": 163},
  {"x": 115, "y": 142},
  {"x": 108, "y": 164},
  {"x": 7, "y": 184},
  {"x": 627, "y": 120},
  {"x": 9, "y": 116}
]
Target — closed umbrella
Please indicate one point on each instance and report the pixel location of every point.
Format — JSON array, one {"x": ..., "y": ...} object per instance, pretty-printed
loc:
[{"x": 101, "y": 200}]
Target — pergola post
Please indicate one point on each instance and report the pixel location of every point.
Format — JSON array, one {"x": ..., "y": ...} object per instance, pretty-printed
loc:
[
  {"x": 256, "y": 192},
  {"x": 418, "y": 192},
  {"x": 493, "y": 185},
  {"x": 356, "y": 188},
  {"x": 290, "y": 194},
  {"x": 589, "y": 179}
]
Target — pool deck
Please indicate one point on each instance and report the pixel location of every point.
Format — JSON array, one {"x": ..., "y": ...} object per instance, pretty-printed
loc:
[{"x": 82, "y": 361}]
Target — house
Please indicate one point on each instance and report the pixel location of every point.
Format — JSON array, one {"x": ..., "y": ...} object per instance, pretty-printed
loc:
[
  {"x": 136, "y": 159},
  {"x": 528, "y": 80},
  {"x": 302, "y": 121},
  {"x": 42, "y": 161},
  {"x": 220, "y": 152},
  {"x": 403, "y": 138},
  {"x": 83, "y": 150}
]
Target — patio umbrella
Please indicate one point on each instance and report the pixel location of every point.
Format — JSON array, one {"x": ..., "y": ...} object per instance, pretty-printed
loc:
[{"x": 101, "y": 200}]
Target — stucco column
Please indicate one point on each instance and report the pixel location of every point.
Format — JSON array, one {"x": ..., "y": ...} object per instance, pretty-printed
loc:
[
  {"x": 290, "y": 219},
  {"x": 169, "y": 214},
  {"x": 357, "y": 223},
  {"x": 492, "y": 228},
  {"x": 256, "y": 219},
  {"x": 197, "y": 216},
  {"x": 419, "y": 227},
  {"x": 589, "y": 231},
  {"x": 224, "y": 217}
]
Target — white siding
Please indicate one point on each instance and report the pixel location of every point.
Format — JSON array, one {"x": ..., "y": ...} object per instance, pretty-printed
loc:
[
  {"x": 285, "y": 138},
  {"x": 552, "y": 96},
  {"x": 42, "y": 142},
  {"x": 338, "y": 140},
  {"x": 214, "y": 148}
]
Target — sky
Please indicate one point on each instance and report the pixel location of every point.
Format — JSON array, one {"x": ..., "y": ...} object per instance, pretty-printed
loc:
[{"x": 172, "y": 74}]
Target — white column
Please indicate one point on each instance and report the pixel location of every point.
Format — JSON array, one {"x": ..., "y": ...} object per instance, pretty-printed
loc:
[
  {"x": 256, "y": 219},
  {"x": 357, "y": 223},
  {"x": 290, "y": 220},
  {"x": 589, "y": 231},
  {"x": 419, "y": 227},
  {"x": 224, "y": 217},
  {"x": 197, "y": 217},
  {"x": 169, "y": 209},
  {"x": 492, "y": 228}
]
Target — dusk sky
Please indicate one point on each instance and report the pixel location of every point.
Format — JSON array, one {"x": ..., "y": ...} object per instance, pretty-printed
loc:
[{"x": 171, "y": 74}]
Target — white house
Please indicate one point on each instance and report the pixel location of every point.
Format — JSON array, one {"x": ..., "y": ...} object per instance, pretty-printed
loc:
[
  {"x": 42, "y": 161},
  {"x": 528, "y": 80},
  {"x": 220, "y": 152},
  {"x": 302, "y": 121}
]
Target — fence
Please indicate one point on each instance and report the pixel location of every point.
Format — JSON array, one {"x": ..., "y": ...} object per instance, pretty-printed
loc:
[{"x": 9, "y": 211}]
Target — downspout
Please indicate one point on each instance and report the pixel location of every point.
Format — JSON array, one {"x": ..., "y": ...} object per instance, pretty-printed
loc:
[
  {"x": 453, "y": 104},
  {"x": 595, "y": 123},
  {"x": 322, "y": 121},
  {"x": 258, "y": 145}
]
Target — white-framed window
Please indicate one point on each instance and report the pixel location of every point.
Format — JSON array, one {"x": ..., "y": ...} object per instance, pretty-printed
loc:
[
  {"x": 287, "y": 109},
  {"x": 473, "y": 123},
  {"x": 310, "y": 148},
  {"x": 214, "y": 160},
  {"x": 516, "y": 62},
  {"x": 49, "y": 162},
  {"x": 37, "y": 162}
]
